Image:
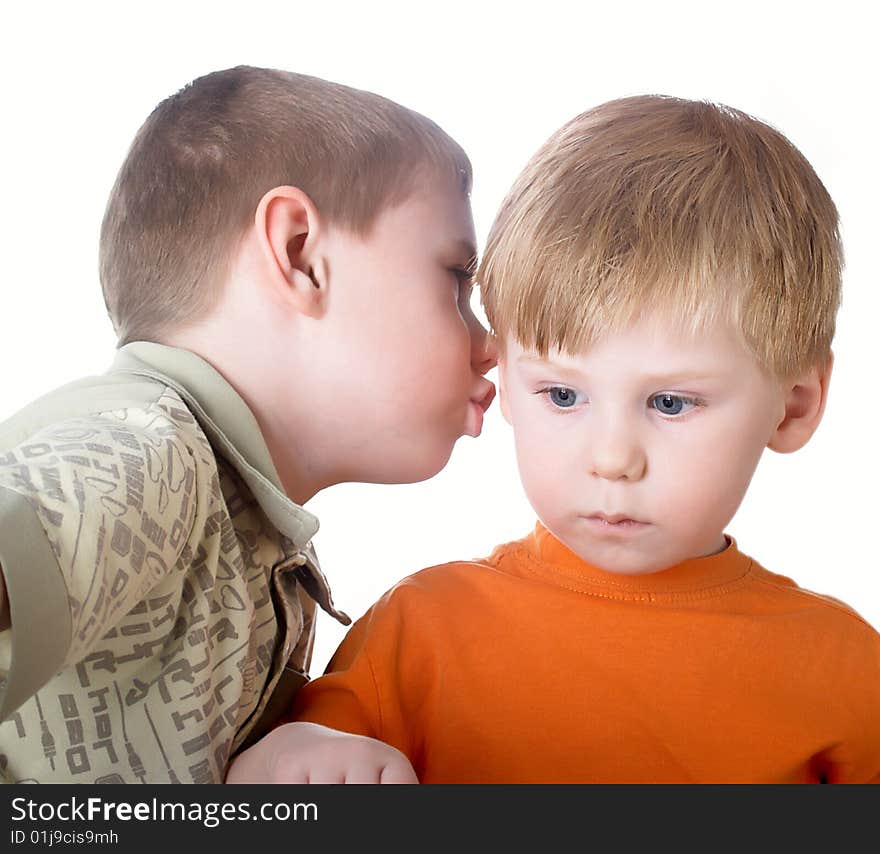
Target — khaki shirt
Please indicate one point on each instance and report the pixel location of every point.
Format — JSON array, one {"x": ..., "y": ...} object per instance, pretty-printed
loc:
[{"x": 161, "y": 585}]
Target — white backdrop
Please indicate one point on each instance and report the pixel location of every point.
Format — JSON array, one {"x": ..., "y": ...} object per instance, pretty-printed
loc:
[{"x": 78, "y": 80}]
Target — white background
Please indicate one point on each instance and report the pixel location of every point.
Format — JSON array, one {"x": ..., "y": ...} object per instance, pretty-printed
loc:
[{"x": 78, "y": 80}]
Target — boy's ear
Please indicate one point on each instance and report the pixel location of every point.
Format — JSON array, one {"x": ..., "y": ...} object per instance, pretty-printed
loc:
[
  {"x": 804, "y": 406},
  {"x": 288, "y": 226}
]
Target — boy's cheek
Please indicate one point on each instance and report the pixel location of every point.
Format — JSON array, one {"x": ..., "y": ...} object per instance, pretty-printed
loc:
[
  {"x": 502, "y": 404},
  {"x": 502, "y": 394}
]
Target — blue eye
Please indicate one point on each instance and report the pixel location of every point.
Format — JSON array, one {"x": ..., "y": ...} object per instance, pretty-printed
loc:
[
  {"x": 672, "y": 404},
  {"x": 562, "y": 397}
]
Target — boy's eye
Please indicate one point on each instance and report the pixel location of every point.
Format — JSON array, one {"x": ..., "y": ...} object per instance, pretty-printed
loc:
[
  {"x": 562, "y": 397},
  {"x": 673, "y": 404},
  {"x": 463, "y": 276}
]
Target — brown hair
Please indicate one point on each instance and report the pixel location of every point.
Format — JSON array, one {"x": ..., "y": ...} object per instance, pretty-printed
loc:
[
  {"x": 652, "y": 202},
  {"x": 201, "y": 162}
]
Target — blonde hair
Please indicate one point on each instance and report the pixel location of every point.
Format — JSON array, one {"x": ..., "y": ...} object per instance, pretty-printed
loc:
[
  {"x": 655, "y": 203},
  {"x": 197, "y": 168}
]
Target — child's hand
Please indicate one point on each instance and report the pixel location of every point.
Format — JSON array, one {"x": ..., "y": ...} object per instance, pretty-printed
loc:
[{"x": 302, "y": 752}]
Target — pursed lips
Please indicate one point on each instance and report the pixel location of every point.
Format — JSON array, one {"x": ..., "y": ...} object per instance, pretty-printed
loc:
[{"x": 485, "y": 401}]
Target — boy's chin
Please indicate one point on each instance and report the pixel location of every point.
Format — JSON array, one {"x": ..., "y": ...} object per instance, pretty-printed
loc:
[{"x": 413, "y": 468}]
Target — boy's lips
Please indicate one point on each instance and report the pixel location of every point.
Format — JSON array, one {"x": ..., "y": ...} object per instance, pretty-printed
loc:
[
  {"x": 615, "y": 522},
  {"x": 485, "y": 401},
  {"x": 477, "y": 406},
  {"x": 613, "y": 518}
]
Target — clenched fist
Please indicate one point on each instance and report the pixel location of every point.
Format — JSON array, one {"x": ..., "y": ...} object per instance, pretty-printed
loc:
[{"x": 302, "y": 752}]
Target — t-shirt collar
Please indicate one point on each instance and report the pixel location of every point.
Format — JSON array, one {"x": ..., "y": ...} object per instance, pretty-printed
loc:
[{"x": 696, "y": 575}]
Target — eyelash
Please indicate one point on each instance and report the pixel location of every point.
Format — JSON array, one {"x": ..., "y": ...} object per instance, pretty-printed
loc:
[{"x": 695, "y": 402}]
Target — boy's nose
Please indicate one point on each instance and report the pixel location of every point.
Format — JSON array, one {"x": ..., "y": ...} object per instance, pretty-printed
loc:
[
  {"x": 484, "y": 348},
  {"x": 616, "y": 456}
]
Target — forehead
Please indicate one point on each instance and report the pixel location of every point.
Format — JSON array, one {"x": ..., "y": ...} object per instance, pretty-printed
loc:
[
  {"x": 651, "y": 346},
  {"x": 437, "y": 214}
]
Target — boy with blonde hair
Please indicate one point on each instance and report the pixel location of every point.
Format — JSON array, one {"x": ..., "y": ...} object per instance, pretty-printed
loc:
[
  {"x": 276, "y": 254},
  {"x": 663, "y": 279}
]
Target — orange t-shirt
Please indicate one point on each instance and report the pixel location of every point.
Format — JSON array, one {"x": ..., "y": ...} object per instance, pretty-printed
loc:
[{"x": 533, "y": 666}]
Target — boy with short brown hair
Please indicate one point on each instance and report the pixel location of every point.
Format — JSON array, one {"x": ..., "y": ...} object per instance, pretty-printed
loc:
[
  {"x": 275, "y": 253},
  {"x": 663, "y": 279}
]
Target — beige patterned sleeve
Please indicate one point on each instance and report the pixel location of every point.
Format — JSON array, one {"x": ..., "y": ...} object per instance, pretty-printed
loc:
[{"x": 94, "y": 512}]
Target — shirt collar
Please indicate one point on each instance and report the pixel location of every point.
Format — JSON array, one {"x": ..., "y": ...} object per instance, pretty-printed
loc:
[
  {"x": 695, "y": 576},
  {"x": 233, "y": 432}
]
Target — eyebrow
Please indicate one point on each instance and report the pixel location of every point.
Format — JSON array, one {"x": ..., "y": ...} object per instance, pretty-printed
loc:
[{"x": 667, "y": 377}]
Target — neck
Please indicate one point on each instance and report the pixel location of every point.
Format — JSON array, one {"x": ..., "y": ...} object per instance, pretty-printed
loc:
[
  {"x": 299, "y": 477},
  {"x": 295, "y": 451}
]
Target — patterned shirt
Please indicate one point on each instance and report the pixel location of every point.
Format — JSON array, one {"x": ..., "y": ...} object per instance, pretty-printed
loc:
[{"x": 161, "y": 585}]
